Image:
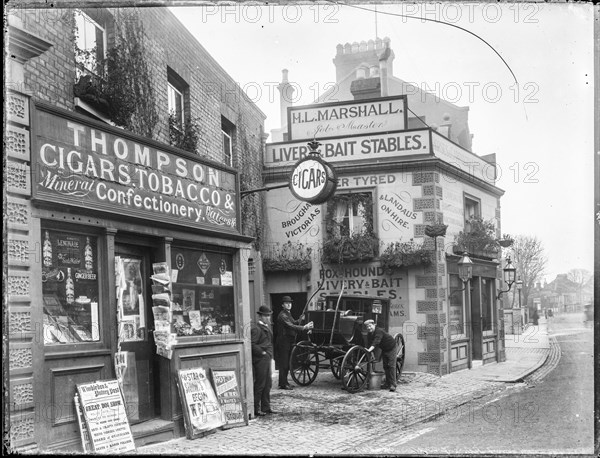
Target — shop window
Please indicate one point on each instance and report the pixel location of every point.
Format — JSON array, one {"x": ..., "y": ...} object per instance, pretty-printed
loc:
[
  {"x": 487, "y": 303},
  {"x": 351, "y": 214},
  {"x": 203, "y": 296},
  {"x": 457, "y": 307},
  {"x": 472, "y": 210},
  {"x": 90, "y": 41},
  {"x": 227, "y": 130},
  {"x": 70, "y": 287}
]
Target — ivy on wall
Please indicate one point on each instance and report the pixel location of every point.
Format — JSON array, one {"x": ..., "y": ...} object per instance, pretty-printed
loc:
[
  {"x": 185, "y": 137},
  {"x": 122, "y": 85}
]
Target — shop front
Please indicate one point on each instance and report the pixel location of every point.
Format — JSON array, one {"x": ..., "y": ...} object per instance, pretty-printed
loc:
[{"x": 139, "y": 274}]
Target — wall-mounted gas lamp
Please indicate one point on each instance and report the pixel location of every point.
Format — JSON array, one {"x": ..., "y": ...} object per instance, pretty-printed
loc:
[{"x": 509, "y": 277}]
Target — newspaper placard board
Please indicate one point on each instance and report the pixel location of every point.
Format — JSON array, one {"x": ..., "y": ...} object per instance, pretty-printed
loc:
[
  {"x": 201, "y": 409},
  {"x": 105, "y": 417},
  {"x": 324, "y": 120},
  {"x": 229, "y": 395}
]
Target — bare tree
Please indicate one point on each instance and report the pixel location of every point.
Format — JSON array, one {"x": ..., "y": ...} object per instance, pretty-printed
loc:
[
  {"x": 580, "y": 277},
  {"x": 530, "y": 261}
]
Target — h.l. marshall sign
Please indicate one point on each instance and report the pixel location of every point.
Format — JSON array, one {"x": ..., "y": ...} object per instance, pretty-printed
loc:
[
  {"x": 348, "y": 148},
  {"x": 347, "y": 118},
  {"x": 88, "y": 165}
]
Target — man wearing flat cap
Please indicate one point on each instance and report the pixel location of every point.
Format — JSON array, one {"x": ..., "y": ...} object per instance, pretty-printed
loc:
[
  {"x": 377, "y": 337},
  {"x": 261, "y": 337},
  {"x": 287, "y": 329}
]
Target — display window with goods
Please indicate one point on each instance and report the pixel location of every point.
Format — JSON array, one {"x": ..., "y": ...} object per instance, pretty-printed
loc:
[{"x": 69, "y": 287}]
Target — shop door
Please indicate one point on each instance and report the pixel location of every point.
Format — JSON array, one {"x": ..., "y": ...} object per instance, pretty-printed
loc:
[
  {"x": 476, "y": 319},
  {"x": 135, "y": 342}
]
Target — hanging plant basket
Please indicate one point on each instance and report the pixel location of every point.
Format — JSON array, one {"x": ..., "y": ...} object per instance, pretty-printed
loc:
[
  {"x": 505, "y": 243},
  {"x": 436, "y": 230}
]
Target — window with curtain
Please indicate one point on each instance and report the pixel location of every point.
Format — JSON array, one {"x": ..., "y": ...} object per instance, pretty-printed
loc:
[{"x": 351, "y": 214}]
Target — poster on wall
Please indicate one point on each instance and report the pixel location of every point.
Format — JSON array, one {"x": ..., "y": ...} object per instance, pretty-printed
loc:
[
  {"x": 201, "y": 409},
  {"x": 228, "y": 392},
  {"x": 105, "y": 417}
]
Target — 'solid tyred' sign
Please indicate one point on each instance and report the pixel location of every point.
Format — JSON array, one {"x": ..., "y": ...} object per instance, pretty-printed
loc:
[{"x": 313, "y": 180}]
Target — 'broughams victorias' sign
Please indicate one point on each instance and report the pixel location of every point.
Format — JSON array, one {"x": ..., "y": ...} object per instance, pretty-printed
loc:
[
  {"x": 375, "y": 146},
  {"x": 347, "y": 118},
  {"x": 99, "y": 168}
]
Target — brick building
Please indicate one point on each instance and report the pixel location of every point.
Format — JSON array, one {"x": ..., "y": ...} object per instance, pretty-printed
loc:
[
  {"x": 127, "y": 147},
  {"x": 403, "y": 165}
]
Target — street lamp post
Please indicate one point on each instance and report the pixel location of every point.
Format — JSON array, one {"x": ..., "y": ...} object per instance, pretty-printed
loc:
[{"x": 519, "y": 287}]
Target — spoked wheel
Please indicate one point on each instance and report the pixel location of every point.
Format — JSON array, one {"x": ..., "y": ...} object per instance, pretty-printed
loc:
[
  {"x": 335, "y": 363},
  {"x": 304, "y": 363},
  {"x": 399, "y": 355},
  {"x": 356, "y": 369}
]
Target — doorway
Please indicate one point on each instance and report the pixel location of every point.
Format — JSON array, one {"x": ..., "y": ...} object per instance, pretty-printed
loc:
[
  {"x": 136, "y": 356},
  {"x": 476, "y": 319}
]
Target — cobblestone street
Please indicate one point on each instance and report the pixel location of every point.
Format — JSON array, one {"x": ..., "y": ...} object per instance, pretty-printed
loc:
[{"x": 323, "y": 419}]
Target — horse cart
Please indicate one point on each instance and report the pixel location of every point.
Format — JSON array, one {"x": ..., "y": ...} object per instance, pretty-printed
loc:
[{"x": 338, "y": 341}]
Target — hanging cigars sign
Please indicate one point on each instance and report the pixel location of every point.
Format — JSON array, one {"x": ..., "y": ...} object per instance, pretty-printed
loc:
[
  {"x": 322, "y": 120},
  {"x": 98, "y": 167}
]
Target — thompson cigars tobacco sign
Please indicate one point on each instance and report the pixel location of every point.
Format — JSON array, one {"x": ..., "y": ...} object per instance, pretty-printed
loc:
[
  {"x": 373, "y": 146},
  {"x": 347, "y": 118},
  {"x": 79, "y": 164}
]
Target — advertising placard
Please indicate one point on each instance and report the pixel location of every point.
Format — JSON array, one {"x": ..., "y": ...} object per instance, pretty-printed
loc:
[
  {"x": 83, "y": 164},
  {"x": 323, "y": 120},
  {"x": 352, "y": 148},
  {"x": 105, "y": 417},
  {"x": 228, "y": 392},
  {"x": 201, "y": 409}
]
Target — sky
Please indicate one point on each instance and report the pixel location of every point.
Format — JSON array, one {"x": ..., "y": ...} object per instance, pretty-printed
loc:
[{"x": 537, "y": 119}]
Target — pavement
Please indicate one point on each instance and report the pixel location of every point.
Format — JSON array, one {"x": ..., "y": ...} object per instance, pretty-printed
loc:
[{"x": 322, "y": 419}]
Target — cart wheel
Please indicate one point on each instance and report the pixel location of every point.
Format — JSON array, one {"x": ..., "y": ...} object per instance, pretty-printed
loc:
[
  {"x": 356, "y": 368},
  {"x": 304, "y": 363},
  {"x": 335, "y": 364},
  {"x": 400, "y": 355}
]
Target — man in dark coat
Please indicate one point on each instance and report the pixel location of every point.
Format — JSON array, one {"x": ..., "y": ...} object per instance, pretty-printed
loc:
[
  {"x": 377, "y": 337},
  {"x": 287, "y": 329},
  {"x": 261, "y": 337}
]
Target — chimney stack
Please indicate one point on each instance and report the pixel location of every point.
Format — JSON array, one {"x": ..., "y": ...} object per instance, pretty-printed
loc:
[{"x": 286, "y": 96}]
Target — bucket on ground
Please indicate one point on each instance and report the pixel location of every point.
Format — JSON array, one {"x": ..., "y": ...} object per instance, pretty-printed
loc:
[{"x": 375, "y": 380}]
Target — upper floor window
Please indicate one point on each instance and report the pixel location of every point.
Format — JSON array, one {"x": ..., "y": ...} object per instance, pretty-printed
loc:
[
  {"x": 352, "y": 214},
  {"x": 472, "y": 210},
  {"x": 175, "y": 105},
  {"x": 227, "y": 130},
  {"x": 90, "y": 40}
]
